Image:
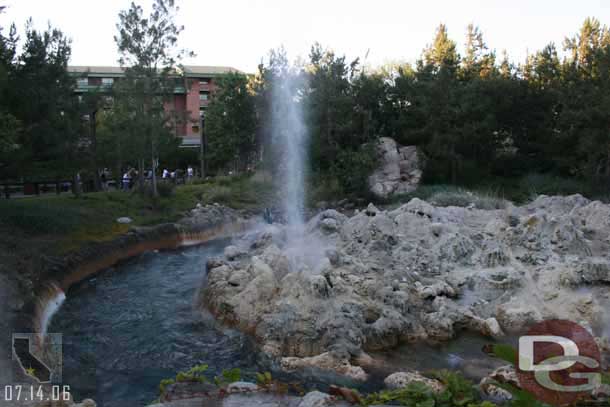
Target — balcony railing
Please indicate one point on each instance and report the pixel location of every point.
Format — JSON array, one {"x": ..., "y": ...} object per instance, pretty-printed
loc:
[{"x": 81, "y": 88}]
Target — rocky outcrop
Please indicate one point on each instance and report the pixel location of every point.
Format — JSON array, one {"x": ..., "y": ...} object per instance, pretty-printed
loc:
[
  {"x": 193, "y": 394},
  {"x": 399, "y": 169},
  {"x": 401, "y": 380},
  {"x": 415, "y": 273}
]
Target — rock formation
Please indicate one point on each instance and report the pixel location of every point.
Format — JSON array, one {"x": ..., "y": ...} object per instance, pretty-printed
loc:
[
  {"x": 399, "y": 169},
  {"x": 415, "y": 273}
]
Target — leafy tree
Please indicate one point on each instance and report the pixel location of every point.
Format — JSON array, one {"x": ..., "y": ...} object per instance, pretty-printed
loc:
[
  {"x": 149, "y": 53},
  {"x": 230, "y": 124}
]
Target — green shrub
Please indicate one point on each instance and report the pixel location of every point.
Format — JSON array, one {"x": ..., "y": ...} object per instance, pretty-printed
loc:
[
  {"x": 352, "y": 169},
  {"x": 324, "y": 188},
  {"x": 546, "y": 184},
  {"x": 36, "y": 216},
  {"x": 458, "y": 392},
  {"x": 195, "y": 374},
  {"x": 463, "y": 198},
  {"x": 228, "y": 376},
  {"x": 166, "y": 189},
  {"x": 224, "y": 180}
]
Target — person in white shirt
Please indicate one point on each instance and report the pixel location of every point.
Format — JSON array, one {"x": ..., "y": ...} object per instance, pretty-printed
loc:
[{"x": 126, "y": 180}]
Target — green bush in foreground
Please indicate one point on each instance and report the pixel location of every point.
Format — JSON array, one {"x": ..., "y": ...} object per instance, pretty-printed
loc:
[
  {"x": 448, "y": 195},
  {"x": 458, "y": 392},
  {"x": 196, "y": 375}
]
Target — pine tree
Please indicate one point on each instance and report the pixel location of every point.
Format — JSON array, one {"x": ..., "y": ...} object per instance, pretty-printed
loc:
[
  {"x": 442, "y": 55},
  {"x": 478, "y": 61}
]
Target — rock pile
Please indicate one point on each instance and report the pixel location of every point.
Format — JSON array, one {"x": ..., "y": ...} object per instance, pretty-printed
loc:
[
  {"x": 399, "y": 169},
  {"x": 416, "y": 273}
]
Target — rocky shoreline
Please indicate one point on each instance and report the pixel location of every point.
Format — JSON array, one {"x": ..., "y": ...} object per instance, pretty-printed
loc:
[{"x": 416, "y": 273}]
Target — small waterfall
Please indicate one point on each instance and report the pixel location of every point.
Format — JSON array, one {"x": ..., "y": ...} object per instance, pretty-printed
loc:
[
  {"x": 289, "y": 135},
  {"x": 50, "y": 305}
]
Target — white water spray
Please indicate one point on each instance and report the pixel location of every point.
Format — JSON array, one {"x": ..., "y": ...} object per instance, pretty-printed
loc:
[
  {"x": 50, "y": 308},
  {"x": 289, "y": 136}
]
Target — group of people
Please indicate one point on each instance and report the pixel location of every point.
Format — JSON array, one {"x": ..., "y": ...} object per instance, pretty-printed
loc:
[
  {"x": 130, "y": 176},
  {"x": 190, "y": 173}
]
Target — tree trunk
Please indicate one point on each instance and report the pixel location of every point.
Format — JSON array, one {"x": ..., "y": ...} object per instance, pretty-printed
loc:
[
  {"x": 93, "y": 135},
  {"x": 141, "y": 174},
  {"x": 202, "y": 151},
  {"x": 153, "y": 176},
  {"x": 76, "y": 187}
]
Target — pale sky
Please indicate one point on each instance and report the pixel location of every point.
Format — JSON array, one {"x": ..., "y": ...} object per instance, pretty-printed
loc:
[{"x": 238, "y": 33}]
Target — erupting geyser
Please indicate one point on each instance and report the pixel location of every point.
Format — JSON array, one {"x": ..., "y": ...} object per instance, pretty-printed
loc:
[{"x": 289, "y": 139}]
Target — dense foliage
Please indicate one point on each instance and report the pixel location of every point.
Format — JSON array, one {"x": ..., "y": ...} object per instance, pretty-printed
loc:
[
  {"x": 40, "y": 121},
  {"x": 476, "y": 117},
  {"x": 230, "y": 124}
]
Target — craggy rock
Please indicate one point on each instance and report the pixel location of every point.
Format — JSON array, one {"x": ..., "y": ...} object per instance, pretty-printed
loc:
[
  {"x": 415, "y": 273},
  {"x": 399, "y": 170},
  {"x": 194, "y": 394},
  {"x": 502, "y": 375},
  {"x": 325, "y": 361},
  {"x": 316, "y": 399},
  {"x": 400, "y": 380}
]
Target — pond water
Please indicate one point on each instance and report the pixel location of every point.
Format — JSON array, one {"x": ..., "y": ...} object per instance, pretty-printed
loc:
[{"x": 130, "y": 327}]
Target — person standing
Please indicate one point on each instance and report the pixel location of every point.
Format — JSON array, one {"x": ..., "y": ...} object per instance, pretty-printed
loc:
[
  {"x": 127, "y": 180},
  {"x": 104, "y": 179}
]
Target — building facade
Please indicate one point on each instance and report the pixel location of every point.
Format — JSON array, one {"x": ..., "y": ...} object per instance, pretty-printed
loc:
[{"x": 194, "y": 88}]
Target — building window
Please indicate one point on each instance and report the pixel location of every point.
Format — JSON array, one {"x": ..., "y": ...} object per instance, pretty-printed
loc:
[
  {"x": 107, "y": 81},
  {"x": 82, "y": 81},
  {"x": 204, "y": 82},
  {"x": 195, "y": 129},
  {"x": 203, "y": 96}
]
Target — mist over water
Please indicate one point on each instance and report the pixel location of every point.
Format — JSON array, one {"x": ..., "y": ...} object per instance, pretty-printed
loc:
[{"x": 289, "y": 138}]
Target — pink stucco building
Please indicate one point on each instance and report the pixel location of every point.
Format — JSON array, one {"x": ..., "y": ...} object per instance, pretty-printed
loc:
[{"x": 192, "y": 93}]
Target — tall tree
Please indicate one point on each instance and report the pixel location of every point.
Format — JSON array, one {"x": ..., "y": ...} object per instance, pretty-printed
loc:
[
  {"x": 230, "y": 124},
  {"x": 148, "y": 47},
  {"x": 9, "y": 125},
  {"x": 442, "y": 55},
  {"x": 41, "y": 97},
  {"x": 478, "y": 61},
  {"x": 584, "y": 46}
]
